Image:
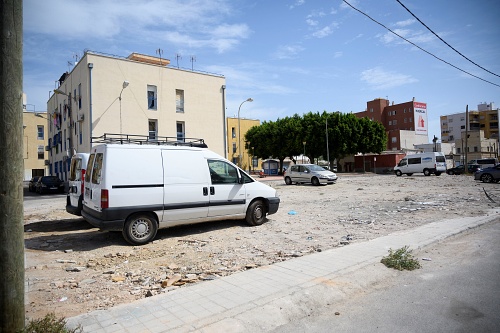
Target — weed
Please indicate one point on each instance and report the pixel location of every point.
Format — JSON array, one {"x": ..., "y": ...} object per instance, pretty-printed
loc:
[
  {"x": 49, "y": 324},
  {"x": 401, "y": 259}
]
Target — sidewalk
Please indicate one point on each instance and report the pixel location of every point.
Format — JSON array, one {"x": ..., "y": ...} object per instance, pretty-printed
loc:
[{"x": 256, "y": 300}]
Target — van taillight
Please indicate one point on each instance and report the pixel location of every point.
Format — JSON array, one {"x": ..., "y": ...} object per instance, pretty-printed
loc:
[
  {"x": 83, "y": 179},
  {"x": 104, "y": 199}
]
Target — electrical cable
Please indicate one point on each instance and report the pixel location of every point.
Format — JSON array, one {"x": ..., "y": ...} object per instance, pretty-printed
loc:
[
  {"x": 435, "y": 34},
  {"x": 420, "y": 48}
]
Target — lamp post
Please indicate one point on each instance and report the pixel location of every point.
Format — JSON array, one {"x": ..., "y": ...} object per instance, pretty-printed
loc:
[
  {"x": 124, "y": 85},
  {"x": 253, "y": 157},
  {"x": 239, "y": 131},
  {"x": 303, "y": 155}
]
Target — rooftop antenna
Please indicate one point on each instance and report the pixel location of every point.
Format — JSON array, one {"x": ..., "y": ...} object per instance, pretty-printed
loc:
[
  {"x": 69, "y": 66},
  {"x": 77, "y": 58},
  {"x": 177, "y": 57},
  {"x": 159, "y": 52},
  {"x": 193, "y": 59}
]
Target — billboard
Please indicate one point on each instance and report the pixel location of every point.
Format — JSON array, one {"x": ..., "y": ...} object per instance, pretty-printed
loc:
[{"x": 420, "y": 118}]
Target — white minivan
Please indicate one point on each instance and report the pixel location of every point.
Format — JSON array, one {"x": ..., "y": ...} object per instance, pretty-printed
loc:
[
  {"x": 426, "y": 163},
  {"x": 138, "y": 189},
  {"x": 74, "y": 199}
]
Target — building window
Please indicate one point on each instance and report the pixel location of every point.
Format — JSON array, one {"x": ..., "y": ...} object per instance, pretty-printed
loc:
[
  {"x": 80, "y": 96},
  {"x": 235, "y": 160},
  {"x": 394, "y": 122},
  {"x": 404, "y": 110},
  {"x": 371, "y": 109},
  {"x": 411, "y": 120},
  {"x": 394, "y": 139},
  {"x": 450, "y": 120},
  {"x": 40, "y": 134},
  {"x": 390, "y": 122},
  {"x": 152, "y": 97},
  {"x": 181, "y": 132},
  {"x": 234, "y": 147},
  {"x": 153, "y": 129},
  {"x": 179, "y": 100},
  {"x": 462, "y": 127},
  {"x": 41, "y": 154},
  {"x": 475, "y": 149},
  {"x": 406, "y": 120},
  {"x": 233, "y": 132},
  {"x": 64, "y": 138}
]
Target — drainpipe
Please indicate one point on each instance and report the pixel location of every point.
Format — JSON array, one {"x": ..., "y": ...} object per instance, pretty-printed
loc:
[
  {"x": 224, "y": 119},
  {"x": 90, "y": 65}
]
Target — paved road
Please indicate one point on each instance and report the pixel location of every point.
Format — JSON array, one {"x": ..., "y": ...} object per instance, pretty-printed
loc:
[{"x": 458, "y": 291}]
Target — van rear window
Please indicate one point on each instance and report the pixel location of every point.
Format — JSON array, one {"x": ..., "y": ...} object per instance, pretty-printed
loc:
[
  {"x": 96, "y": 170},
  {"x": 90, "y": 164}
]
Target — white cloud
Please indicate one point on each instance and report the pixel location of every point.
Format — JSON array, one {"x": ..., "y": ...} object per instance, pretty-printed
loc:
[
  {"x": 297, "y": 3},
  {"x": 311, "y": 22},
  {"x": 326, "y": 31},
  {"x": 198, "y": 23},
  {"x": 338, "y": 54},
  {"x": 288, "y": 51},
  {"x": 379, "y": 79},
  {"x": 404, "y": 23}
]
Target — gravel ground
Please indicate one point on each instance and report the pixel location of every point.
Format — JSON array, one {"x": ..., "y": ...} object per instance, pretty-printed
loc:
[{"x": 73, "y": 268}]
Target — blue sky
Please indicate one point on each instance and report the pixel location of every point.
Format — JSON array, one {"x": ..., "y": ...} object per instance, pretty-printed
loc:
[{"x": 289, "y": 56}]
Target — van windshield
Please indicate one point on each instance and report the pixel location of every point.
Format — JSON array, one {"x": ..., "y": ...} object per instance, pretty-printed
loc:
[{"x": 440, "y": 159}]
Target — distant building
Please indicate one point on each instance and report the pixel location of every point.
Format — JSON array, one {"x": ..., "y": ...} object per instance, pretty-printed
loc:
[
  {"x": 34, "y": 143},
  {"x": 477, "y": 137},
  {"x": 405, "y": 123},
  {"x": 140, "y": 95},
  {"x": 236, "y": 141}
]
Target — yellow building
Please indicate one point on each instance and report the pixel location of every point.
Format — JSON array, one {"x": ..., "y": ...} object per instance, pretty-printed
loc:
[
  {"x": 34, "y": 142},
  {"x": 140, "y": 95},
  {"x": 236, "y": 143}
]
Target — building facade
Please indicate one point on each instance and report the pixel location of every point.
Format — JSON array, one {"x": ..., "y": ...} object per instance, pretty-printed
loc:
[
  {"x": 139, "y": 95},
  {"x": 405, "y": 123},
  {"x": 34, "y": 143},
  {"x": 236, "y": 143}
]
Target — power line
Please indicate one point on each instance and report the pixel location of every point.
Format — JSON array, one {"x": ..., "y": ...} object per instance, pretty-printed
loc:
[
  {"x": 446, "y": 62},
  {"x": 444, "y": 40}
]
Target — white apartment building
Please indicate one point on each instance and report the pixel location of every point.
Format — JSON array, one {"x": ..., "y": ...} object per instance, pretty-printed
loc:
[{"x": 138, "y": 95}]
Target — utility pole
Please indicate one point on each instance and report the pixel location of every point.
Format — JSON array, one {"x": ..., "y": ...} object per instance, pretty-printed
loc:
[
  {"x": 466, "y": 169},
  {"x": 11, "y": 167}
]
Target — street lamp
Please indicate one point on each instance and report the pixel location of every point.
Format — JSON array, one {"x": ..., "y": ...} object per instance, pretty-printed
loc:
[
  {"x": 124, "y": 85},
  {"x": 239, "y": 131}
]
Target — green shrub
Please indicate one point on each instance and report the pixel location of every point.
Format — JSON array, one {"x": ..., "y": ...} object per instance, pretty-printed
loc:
[
  {"x": 49, "y": 324},
  {"x": 401, "y": 259}
]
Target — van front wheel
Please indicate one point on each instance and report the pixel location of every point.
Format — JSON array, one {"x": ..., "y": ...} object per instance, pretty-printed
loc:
[
  {"x": 398, "y": 173},
  {"x": 256, "y": 213},
  {"x": 140, "y": 229}
]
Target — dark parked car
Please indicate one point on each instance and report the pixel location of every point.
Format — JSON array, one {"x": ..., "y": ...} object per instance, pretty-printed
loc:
[
  {"x": 458, "y": 170},
  {"x": 488, "y": 175},
  {"x": 49, "y": 184},
  {"x": 32, "y": 184}
]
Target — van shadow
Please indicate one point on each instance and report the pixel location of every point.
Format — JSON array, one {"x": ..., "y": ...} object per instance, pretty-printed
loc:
[{"x": 78, "y": 235}]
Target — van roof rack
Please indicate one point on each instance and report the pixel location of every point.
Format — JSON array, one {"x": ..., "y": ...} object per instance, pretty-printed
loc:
[{"x": 146, "y": 140}]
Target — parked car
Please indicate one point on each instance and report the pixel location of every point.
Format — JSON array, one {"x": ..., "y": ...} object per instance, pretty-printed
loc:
[
  {"x": 32, "y": 184},
  {"x": 488, "y": 175},
  {"x": 458, "y": 170},
  {"x": 49, "y": 184},
  {"x": 428, "y": 163},
  {"x": 309, "y": 173}
]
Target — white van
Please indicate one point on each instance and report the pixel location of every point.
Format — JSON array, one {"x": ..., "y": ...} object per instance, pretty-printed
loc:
[
  {"x": 484, "y": 162},
  {"x": 138, "y": 189},
  {"x": 74, "y": 199},
  {"x": 428, "y": 163}
]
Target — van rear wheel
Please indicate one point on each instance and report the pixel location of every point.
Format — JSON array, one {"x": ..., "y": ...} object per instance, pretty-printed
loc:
[
  {"x": 256, "y": 213},
  {"x": 427, "y": 172},
  {"x": 140, "y": 229}
]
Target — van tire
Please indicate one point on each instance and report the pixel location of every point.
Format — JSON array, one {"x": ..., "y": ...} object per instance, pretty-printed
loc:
[
  {"x": 140, "y": 229},
  {"x": 256, "y": 213},
  {"x": 288, "y": 181},
  {"x": 437, "y": 173},
  {"x": 315, "y": 181},
  {"x": 487, "y": 178},
  {"x": 427, "y": 172},
  {"x": 409, "y": 174},
  {"x": 399, "y": 173}
]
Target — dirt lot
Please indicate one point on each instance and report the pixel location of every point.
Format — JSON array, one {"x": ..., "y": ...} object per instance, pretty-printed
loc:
[{"x": 73, "y": 268}]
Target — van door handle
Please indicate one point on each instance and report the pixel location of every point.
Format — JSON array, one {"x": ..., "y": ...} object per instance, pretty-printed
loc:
[
  {"x": 212, "y": 190},
  {"x": 205, "y": 191}
]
